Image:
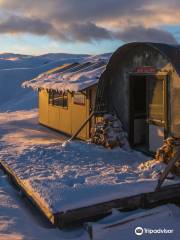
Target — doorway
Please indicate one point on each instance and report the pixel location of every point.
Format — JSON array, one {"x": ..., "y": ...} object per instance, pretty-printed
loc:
[
  {"x": 138, "y": 111},
  {"x": 148, "y": 111}
]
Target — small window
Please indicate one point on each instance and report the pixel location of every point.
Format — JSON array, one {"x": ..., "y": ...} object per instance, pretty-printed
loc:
[
  {"x": 79, "y": 99},
  {"x": 58, "y": 99}
]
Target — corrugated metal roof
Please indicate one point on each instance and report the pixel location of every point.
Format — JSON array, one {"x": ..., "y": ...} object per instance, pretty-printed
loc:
[
  {"x": 69, "y": 77},
  {"x": 172, "y": 52},
  {"x": 62, "y": 68}
]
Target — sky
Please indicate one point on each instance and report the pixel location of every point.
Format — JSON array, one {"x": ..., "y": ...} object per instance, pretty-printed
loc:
[{"x": 85, "y": 26}]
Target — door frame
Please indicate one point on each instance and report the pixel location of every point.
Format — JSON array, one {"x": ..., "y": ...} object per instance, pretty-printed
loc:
[{"x": 166, "y": 77}]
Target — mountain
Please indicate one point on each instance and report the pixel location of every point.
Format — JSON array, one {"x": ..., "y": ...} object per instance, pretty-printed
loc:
[{"x": 16, "y": 68}]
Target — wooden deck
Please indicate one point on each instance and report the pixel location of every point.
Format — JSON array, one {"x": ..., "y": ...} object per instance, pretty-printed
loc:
[{"x": 166, "y": 194}]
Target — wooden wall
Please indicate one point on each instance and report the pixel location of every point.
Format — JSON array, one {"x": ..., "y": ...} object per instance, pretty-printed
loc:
[{"x": 67, "y": 120}]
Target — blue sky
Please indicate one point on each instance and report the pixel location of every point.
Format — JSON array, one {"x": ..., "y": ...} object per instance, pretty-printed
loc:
[
  {"x": 30, "y": 44},
  {"x": 91, "y": 26}
]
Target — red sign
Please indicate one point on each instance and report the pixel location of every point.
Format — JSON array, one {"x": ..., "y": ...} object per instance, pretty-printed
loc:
[{"x": 145, "y": 69}]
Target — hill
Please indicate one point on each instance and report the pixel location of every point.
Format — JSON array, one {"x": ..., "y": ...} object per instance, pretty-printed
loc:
[{"x": 16, "y": 68}]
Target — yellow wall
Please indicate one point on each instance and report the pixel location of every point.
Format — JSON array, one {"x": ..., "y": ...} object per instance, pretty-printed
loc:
[
  {"x": 43, "y": 107},
  {"x": 79, "y": 114},
  {"x": 65, "y": 120}
]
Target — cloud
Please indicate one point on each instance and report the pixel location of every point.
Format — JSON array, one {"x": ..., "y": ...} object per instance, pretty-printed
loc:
[
  {"x": 81, "y": 32},
  {"x": 88, "y": 32},
  {"x": 91, "y": 20},
  {"x": 15, "y": 24},
  {"x": 142, "y": 34}
]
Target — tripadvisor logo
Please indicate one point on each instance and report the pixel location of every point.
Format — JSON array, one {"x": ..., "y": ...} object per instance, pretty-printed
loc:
[{"x": 140, "y": 231}]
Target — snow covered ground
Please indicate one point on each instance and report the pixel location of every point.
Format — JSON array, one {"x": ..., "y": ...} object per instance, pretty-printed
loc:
[
  {"x": 77, "y": 175},
  {"x": 62, "y": 176},
  {"x": 18, "y": 221},
  {"x": 157, "y": 223},
  {"x": 56, "y": 173}
]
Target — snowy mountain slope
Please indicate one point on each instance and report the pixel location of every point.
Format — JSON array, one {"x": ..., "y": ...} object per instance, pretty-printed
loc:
[
  {"x": 16, "y": 68},
  {"x": 21, "y": 68},
  {"x": 10, "y": 60}
]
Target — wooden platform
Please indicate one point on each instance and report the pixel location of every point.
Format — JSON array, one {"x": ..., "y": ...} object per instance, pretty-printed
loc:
[{"x": 166, "y": 194}]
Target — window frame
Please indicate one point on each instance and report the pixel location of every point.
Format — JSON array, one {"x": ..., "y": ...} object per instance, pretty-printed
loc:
[
  {"x": 63, "y": 96},
  {"x": 75, "y": 100}
]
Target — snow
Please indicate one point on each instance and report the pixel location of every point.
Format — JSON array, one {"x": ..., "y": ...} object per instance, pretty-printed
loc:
[
  {"x": 14, "y": 73},
  {"x": 77, "y": 175},
  {"x": 124, "y": 224},
  {"x": 72, "y": 80},
  {"x": 10, "y": 60},
  {"x": 61, "y": 176},
  {"x": 18, "y": 221}
]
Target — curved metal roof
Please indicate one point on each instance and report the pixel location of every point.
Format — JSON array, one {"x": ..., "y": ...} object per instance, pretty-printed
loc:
[{"x": 171, "y": 52}]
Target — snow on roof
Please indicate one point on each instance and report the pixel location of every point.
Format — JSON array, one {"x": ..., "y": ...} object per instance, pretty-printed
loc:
[{"x": 75, "y": 77}]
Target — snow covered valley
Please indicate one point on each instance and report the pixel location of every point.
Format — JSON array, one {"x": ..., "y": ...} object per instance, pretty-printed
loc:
[{"x": 76, "y": 175}]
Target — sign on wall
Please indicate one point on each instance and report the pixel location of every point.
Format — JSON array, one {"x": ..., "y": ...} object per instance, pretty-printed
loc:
[{"x": 145, "y": 69}]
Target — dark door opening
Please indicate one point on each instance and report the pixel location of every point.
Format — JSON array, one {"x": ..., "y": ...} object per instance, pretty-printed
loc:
[{"x": 138, "y": 111}]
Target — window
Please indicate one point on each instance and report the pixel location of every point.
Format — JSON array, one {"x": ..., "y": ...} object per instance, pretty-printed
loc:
[
  {"x": 79, "y": 99},
  {"x": 58, "y": 99}
]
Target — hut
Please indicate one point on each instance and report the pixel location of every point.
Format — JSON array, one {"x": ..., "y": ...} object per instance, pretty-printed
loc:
[
  {"x": 141, "y": 85},
  {"x": 67, "y": 95}
]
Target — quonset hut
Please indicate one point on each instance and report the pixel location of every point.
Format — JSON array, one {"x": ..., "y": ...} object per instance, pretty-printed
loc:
[{"x": 141, "y": 84}]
